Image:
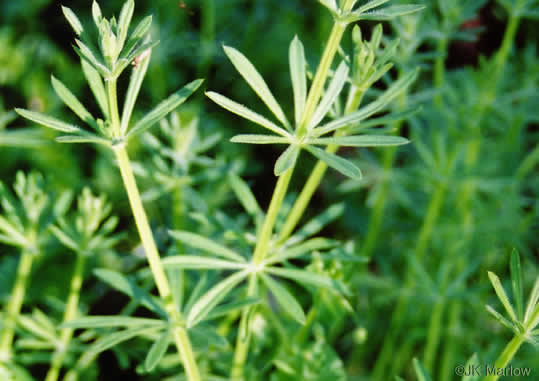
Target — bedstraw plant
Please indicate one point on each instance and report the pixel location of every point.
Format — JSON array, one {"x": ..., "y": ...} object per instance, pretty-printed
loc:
[{"x": 356, "y": 273}]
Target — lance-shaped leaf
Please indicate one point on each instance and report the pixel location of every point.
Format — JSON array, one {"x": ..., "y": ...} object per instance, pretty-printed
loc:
[
  {"x": 255, "y": 80},
  {"x": 197, "y": 262},
  {"x": 96, "y": 85},
  {"x": 532, "y": 302},
  {"x": 387, "y": 13},
  {"x": 361, "y": 141},
  {"x": 287, "y": 160},
  {"x": 200, "y": 242},
  {"x": 244, "y": 195},
  {"x": 73, "y": 20},
  {"x": 317, "y": 223},
  {"x": 307, "y": 277},
  {"x": 498, "y": 288},
  {"x": 85, "y": 52},
  {"x": 142, "y": 28},
  {"x": 303, "y": 248},
  {"x": 370, "y": 5},
  {"x": 123, "y": 22},
  {"x": 244, "y": 112},
  {"x": 299, "y": 79},
  {"x": 127, "y": 286},
  {"x": 137, "y": 76},
  {"x": 165, "y": 107},
  {"x": 113, "y": 339},
  {"x": 285, "y": 299},
  {"x": 259, "y": 139},
  {"x": 383, "y": 100},
  {"x": 47, "y": 121},
  {"x": 225, "y": 309},
  {"x": 498, "y": 316},
  {"x": 72, "y": 102},
  {"x": 86, "y": 138},
  {"x": 13, "y": 235},
  {"x": 139, "y": 52},
  {"x": 386, "y": 119},
  {"x": 215, "y": 295},
  {"x": 157, "y": 351},
  {"x": 112, "y": 321},
  {"x": 342, "y": 165},
  {"x": 335, "y": 87}
]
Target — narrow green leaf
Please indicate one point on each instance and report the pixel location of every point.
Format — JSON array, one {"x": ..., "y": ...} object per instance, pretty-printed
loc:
[
  {"x": 12, "y": 233},
  {"x": 317, "y": 223},
  {"x": 72, "y": 102},
  {"x": 532, "y": 302},
  {"x": 386, "y": 119},
  {"x": 64, "y": 238},
  {"x": 127, "y": 286},
  {"x": 387, "y": 13},
  {"x": 47, "y": 121},
  {"x": 112, "y": 321},
  {"x": 225, "y": 309},
  {"x": 502, "y": 295},
  {"x": 285, "y": 299},
  {"x": 211, "y": 298},
  {"x": 37, "y": 329},
  {"x": 142, "y": 28},
  {"x": 342, "y": 165},
  {"x": 298, "y": 65},
  {"x": 96, "y": 13},
  {"x": 96, "y": 85},
  {"x": 200, "y": 242},
  {"x": 197, "y": 262},
  {"x": 113, "y": 339},
  {"x": 329, "y": 4},
  {"x": 379, "y": 104},
  {"x": 244, "y": 112},
  {"x": 259, "y": 139},
  {"x": 157, "y": 351},
  {"x": 472, "y": 363},
  {"x": 500, "y": 318},
  {"x": 137, "y": 54},
  {"x": 420, "y": 371},
  {"x": 165, "y": 107},
  {"x": 82, "y": 139},
  {"x": 516, "y": 280},
  {"x": 255, "y": 80},
  {"x": 307, "y": 277},
  {"x": 308, "y": 246},
  {"x": 123, "y": 22},
  {"x": 244, "y": 195},
  {"x": 361, "y": 141},
  {"x": 23, "y": 137},
  {"x": 73, "y": 20},
  {"x": 135, "y": 82},
  {"x": 286, "y": 160},
  {"x": 370, "y": 5},
  {"x": 86, "y": 53},
  {"x": 335, "y": 87}
]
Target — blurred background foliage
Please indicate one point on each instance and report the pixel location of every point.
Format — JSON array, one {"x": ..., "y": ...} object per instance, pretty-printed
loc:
[{"x": 433, "y": 216}]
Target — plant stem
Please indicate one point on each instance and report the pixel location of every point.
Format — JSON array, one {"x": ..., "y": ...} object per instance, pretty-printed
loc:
[
  {"x": 14, "y": 305},
  {"x": 70, "y": 313},
  {"x": 261, "y": 249},
  {"x": 262, "y": 246},
  {"x": 506, "y": 356},
  {"x": 176, "y": 320}
]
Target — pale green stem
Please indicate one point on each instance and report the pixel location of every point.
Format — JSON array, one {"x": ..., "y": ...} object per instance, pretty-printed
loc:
[
  {"x": 71, "y": 312},
  {"x": 261, "y": 249},
  {"x": 506, "y": 356},
  {"x": 14, "y": 306},
  {"x": 176, "y": 320}
]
